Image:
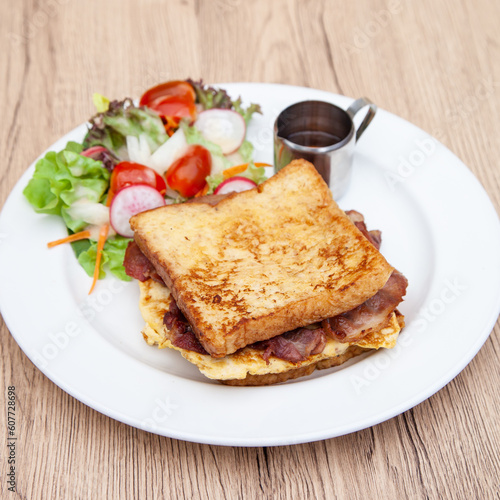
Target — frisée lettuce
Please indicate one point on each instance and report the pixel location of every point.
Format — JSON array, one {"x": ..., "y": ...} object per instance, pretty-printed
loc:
[{"x": 121, "y": 119}]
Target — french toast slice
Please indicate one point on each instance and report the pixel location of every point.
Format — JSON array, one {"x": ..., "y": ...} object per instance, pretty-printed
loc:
[{"x": 262, "y": 262}]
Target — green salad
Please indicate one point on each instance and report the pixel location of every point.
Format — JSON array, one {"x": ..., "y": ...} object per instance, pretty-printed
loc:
[{"x": 183, "y": 139}]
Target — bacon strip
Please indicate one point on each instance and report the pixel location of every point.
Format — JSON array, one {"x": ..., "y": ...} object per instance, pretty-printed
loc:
[
  {"x": 374, "y": 237},
  {"x": 138, "y": 266},
  {"x": 181, "y": 334},
  {"x": 355, "y": 324},
  {"x": 293, "y": 346}
]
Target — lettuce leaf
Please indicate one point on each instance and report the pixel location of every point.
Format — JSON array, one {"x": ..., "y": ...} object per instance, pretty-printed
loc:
[
  {"x": 246, "y": 151},
  {"x": 101, "y": 103},
  {"x": 210, "y": 97},
  {"x": 62, "y": 178},
  {"x": 256, "y": 174},
  {"x": 122, "y": 118},
  {"x": 74, "y": 147},
  {"x": 213, "y": 181},
  {"x": 112, "y": 256},
  {"x": 248, "y": 112}
]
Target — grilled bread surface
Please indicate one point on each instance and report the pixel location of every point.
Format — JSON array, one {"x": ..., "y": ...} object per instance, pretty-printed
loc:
[{"x": 259, "y": 263}]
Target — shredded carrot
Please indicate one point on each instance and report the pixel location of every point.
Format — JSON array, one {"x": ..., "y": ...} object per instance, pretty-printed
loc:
[
  {"x": 103, "y": 234},
  {"x": 238, "y": 169},
  {"x": 231, "y": 171},
  {"x": 109, "y": 198},
  {"x": 202, "y": 192},
  {"x": 82, "y": 235},
  {"x": 171, "y": 125}
]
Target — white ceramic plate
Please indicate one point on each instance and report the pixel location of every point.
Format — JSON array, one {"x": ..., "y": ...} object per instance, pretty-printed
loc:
[{"x": 439, "y": 228}]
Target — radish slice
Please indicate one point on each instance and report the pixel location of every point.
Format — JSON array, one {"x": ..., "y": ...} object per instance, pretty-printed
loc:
[
  {"x": 235, "y": 184},
  {"x": 223, "y": 127},
  {"x": 129, "y": 201},
  {"x": 93, "y": 150}
]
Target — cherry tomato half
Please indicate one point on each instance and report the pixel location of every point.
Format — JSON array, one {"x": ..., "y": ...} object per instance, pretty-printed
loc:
[
  {"x": 175, "y": 107},
  {"x": 178, "y": 88},
  {"x": 187, "y": 174},
  {"x": 127, "y": 174},
  {"x": 175, "y": 99}
]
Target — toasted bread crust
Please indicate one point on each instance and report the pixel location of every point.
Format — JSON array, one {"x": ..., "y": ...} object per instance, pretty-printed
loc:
[
  {"x": 276, "y": 378},
  {"x": 261, "y": 262}
]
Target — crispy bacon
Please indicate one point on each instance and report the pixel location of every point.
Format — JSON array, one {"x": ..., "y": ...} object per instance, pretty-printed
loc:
[
  {"x": 138, "y": 266},
  {"x": 357, "y": 323},
  {"x": 374, "y": 237},
  {"x": 293, "y": 346},
  {"x": 181, "y": 334}
]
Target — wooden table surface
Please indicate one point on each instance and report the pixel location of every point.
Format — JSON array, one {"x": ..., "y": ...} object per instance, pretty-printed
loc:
[{"x": 435, "y": 64}]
